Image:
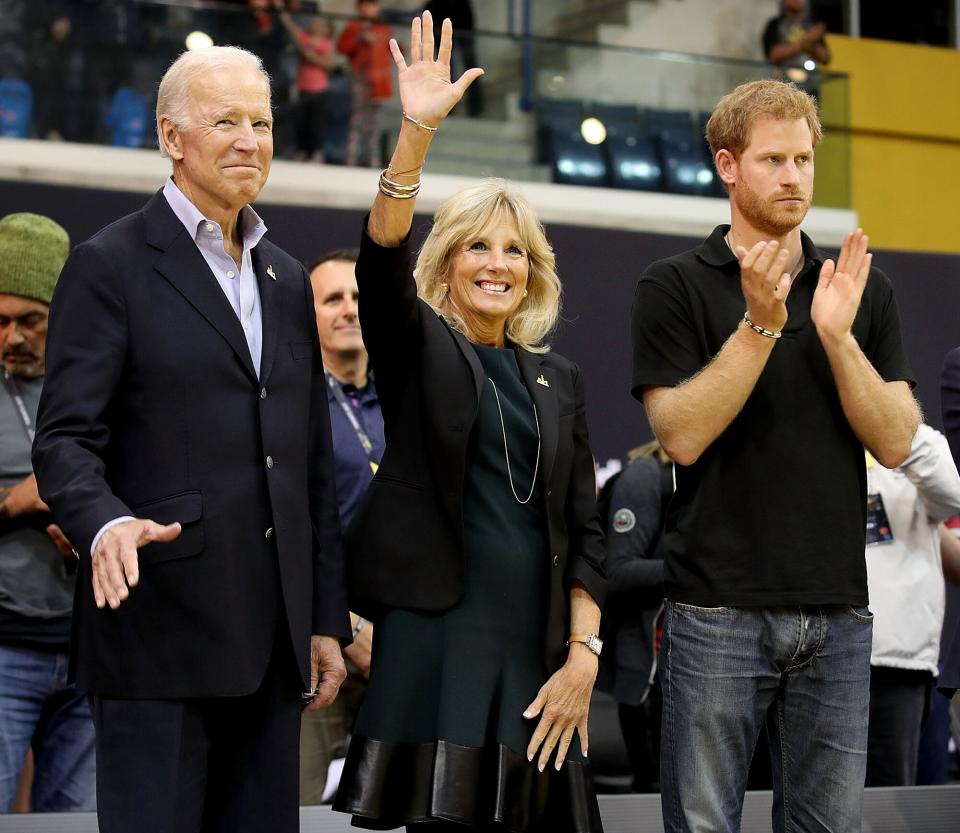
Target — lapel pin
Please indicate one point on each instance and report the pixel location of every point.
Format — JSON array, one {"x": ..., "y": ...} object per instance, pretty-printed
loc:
[
  {"x": 270, "y": 272},
  {"x": 542, "y": 381}
]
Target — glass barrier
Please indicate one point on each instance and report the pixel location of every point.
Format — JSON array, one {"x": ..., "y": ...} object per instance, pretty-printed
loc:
[{"x": 546, "y": 109}]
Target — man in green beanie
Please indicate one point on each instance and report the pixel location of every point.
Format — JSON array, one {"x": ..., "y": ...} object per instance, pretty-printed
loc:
[{"x": 37, "y": 564}]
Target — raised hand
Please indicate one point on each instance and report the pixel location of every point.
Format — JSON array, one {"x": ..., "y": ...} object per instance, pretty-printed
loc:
[
  {"x": 765, "y": 283},
  {"x": 840, "y": 288},
  {"x": 426, "y": 92}
]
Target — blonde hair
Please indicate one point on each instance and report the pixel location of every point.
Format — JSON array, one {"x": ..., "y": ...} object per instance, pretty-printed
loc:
[
  {"x": 175, "y": 94},
  {"x": 731, "y": 120},
  {"x": 464, "y": 216}
]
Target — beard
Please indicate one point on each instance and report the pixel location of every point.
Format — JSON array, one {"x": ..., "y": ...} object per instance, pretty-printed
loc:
[{"x": 766, "y": 215}]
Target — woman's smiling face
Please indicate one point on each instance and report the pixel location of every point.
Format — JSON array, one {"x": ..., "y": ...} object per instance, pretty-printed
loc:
[{"x": 488, "y": 276}]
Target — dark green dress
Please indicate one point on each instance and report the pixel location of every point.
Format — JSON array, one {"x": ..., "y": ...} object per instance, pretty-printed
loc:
[{"x": 441, "y": 732}]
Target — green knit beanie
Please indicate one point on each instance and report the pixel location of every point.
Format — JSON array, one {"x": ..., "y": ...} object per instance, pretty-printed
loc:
[{"x": 32, "y": 253}]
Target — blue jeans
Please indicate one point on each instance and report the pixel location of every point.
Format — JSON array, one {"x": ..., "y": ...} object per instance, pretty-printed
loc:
[
  {"x": 726, "y": 671},
  {"x": 37, "y": 705}
]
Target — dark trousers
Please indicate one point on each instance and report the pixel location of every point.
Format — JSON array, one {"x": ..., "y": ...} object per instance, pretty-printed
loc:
[
  {"x": 898, "y": 703},
  {"x": 207, "y": 765},
  {"x": 311, "y": 117}
]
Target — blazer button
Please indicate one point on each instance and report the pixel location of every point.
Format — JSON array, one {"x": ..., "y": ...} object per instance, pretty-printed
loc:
[
  {"x": 263, "y": 393},
  {"x": 269, "y": 533},
  {"x": 556, "y": 561},
  {"x": 269, "y": 462}
]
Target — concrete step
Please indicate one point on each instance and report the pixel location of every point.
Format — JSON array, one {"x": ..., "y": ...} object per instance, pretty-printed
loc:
[
  {"x": 504, "y": 168},
  {"x": 582, "y": 24},
  {"x": 473, "y": 147}
]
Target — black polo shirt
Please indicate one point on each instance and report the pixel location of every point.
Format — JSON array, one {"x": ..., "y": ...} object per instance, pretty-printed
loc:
[{"x": 774, "y": 511}]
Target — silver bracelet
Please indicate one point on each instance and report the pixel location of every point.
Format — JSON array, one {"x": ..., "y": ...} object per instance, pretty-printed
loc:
[{"x": 762, "y": 330}]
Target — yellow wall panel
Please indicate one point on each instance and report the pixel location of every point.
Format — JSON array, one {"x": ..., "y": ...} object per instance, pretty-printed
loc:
[
  {"x": 904, "y": 141},
  {"x": 907, "y": 192},
  {"x": 900, "y": 88}
]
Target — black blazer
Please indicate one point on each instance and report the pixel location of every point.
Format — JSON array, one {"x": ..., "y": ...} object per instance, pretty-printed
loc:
[
  {"x": 151, "y": 408},
  {"x": 405, "y": 542}
]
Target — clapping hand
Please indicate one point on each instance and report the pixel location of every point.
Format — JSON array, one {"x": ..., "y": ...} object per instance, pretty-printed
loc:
[
  {"x": 765, "y": 283},
  {"x": 426, "y": 92},
  {"x": 840, "y": 288}
]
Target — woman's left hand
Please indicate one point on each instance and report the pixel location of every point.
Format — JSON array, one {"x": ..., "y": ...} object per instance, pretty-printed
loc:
[{"x": 563, "y": 704}]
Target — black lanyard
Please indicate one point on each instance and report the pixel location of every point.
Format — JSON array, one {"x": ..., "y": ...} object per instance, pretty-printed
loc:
[
  {"x": 351, "y": 416},
  {"x": 11, "y": 385}
]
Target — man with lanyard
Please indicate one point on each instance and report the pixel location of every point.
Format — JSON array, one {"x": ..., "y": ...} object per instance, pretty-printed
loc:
[
  {"x": 357, "y": 427},
  {"x": 38, "y": 706},
  {"x": 765, "y": 370}
]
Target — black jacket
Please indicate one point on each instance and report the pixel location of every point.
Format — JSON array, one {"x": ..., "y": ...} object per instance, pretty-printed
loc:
[
  {"x": 151, "y": 407},
  {"x": 405, "y": 543}
]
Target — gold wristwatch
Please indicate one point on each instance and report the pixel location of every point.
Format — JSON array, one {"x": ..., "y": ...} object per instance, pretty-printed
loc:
[{"x": 591, "y": 640}]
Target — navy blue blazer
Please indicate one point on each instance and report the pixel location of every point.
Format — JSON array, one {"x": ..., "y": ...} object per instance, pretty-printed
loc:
[
  {"x": 405, "y": 541},
  {"x": 151, "y": 407}
]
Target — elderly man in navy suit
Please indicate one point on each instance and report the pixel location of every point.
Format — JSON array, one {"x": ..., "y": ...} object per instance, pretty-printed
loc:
[{"x": 183, "y": 443}]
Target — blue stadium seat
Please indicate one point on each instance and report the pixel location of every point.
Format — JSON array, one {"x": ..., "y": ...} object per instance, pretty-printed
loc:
[
  {"x": 556, "y": 115},
  {"x": 685, "y": 170},
  {"x": 575, "y": 161},
  {"x": 674, "y": 126},
  {"x": 633, "y": 163},
  {"x": 620, "y": 120},
  {"x": 16, "y": 108},
  {"x": 716, "y": 189},
  {"x": 127, "y": 118}
]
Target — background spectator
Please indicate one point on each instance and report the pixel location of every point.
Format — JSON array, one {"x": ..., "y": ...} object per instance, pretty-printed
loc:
[
  {"x": 357, "y": 427},
  {"x": 794, "y": 43},
  {"x": 634, "y": 509},
  {"x": 365, "y": 41},
  {"x": 37, "y": 565},
  {"x": 315, "y": 48},
  {"x": 904, "y": 509}
]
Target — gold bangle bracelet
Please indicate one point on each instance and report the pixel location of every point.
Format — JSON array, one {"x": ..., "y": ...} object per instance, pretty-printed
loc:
[
  {"x": 418, "y": 123},
  {"x": 397, "y": 190}
]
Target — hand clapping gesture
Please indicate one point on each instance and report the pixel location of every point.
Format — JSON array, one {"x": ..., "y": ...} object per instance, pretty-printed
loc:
[
  {"x": 765, "y": 283},
  {"x": 426, "y": 92},
  {"x": 840, "y": 288}
]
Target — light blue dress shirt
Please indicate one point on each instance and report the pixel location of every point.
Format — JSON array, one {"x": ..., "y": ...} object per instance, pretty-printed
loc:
[{"x": 240, "y": 286}]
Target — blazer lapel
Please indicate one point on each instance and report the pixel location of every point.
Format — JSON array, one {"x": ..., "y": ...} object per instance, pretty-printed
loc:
[
  {"x": 471, "y": 356},
  {"x": 542, "y": 384},
  {"x": 268, "y": 279},
  {"x": 181, "y": 263}
]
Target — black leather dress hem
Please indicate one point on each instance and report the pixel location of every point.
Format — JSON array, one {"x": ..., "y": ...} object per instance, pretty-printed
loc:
[{"x": 386, "y": 785}]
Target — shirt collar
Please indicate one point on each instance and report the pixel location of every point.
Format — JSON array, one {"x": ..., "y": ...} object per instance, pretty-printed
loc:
[
  {"x": 714, "y": 251},
  {"x": 366, "y": 393},
  {"x": 251, "y": 225}
]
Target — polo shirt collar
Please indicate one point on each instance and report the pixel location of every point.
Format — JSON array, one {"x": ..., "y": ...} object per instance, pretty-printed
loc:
[
  {"x": 367, "y": 392},
  {"x": 714, "y": 251}
]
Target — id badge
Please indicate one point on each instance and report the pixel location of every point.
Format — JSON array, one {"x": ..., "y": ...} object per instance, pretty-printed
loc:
[{"x": 878, "y": 525}]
